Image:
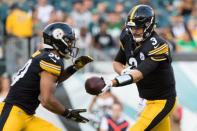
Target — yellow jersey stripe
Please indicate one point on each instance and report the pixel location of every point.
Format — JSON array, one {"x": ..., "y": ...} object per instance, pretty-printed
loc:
[
  {"x": 158, "y": 49},
  {"x": 36, "y": 53},
  {"x": 50, "y": 70},
  {"x": 43, "y": 64},
  {"x": 50, "y": 64},
  {"x": 163, "y": 51},
  {"x": 159, "y": 59}
]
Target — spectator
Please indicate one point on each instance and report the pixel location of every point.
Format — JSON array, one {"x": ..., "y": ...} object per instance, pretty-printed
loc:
[
  {"x": 80, "y": 14},
  {"x": 102, "y": 9},
  {"x": 44, "y": 10},
  {"x": 186, "y": 44},
  {"x": 192, "y": 24},
  {"x": 3, "y": 11},
  {"x": 176, "y": 118},
  {"x": 19, "y": 23},
  {"x": 119, "y": 10},
  {"x": 178, "y": 26},
  {"x": 88, "y": 4},
  {"x": 100, "y": 106},
  {"x": 185, "y": 8},
  {"x": 103, "y": 40},
  {"x": 114, "y": 24},
  {"x": 38, "y": 26},
  {"x": 4, "y": 86},
  {"x": 94, "y": 24},
  {"x": 114, "y": 121},
  {"x": 1, "y": 40},
  {"x": 19, "y": 26},
  {"x": 56, "y": 16},
  {"x": 84, "y": 41}
]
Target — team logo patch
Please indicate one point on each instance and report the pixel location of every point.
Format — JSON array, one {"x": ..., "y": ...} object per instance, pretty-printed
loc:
[
  {"x": 58, "y": 33},
  {"x": 142, "y": 57}
]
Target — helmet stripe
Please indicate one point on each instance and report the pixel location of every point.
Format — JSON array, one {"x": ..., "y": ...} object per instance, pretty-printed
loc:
[{"x": 133, "y": 12}]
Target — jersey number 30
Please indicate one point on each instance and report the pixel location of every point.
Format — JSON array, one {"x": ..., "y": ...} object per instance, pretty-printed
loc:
[{"x": 21, "y": 72}]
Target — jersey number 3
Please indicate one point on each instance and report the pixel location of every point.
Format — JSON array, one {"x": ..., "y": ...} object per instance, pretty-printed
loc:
[{"x": 21, "y": 72}]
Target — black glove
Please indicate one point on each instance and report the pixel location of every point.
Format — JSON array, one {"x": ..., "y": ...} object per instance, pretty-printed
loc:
[
  {"x": 74, "y": 114},
  {"x": 82, "y": 61}
]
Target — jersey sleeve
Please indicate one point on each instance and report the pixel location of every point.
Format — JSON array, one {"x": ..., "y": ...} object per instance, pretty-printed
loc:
[
  {"x": 121, "y": 57},
  {"x": 159, "y": 52},
  {"x": 51, "y": 64}
]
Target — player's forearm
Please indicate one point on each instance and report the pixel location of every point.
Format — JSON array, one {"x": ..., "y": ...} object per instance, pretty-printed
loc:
[
  {"x": 53, "y": 105},
  {"x": 118, "y": 67},
  {"x": 67, "y": 73}
]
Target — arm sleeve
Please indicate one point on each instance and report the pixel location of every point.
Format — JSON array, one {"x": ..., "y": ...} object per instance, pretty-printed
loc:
[{"x": 147, "y": 66}]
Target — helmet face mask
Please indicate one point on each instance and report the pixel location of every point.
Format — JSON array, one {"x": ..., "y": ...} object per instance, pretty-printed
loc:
[
  {"x": 61, "y": 37},
  {"x": 137, "y": 33},
  {"x": 141, "y": 16}
]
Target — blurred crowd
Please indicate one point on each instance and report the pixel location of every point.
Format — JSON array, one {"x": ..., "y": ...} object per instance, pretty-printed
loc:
[{"x": 97, "y": 23}]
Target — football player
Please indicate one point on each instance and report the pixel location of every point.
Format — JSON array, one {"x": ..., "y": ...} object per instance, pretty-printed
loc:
[
  {"x": 35, "y": 83},
  {"x": 149, "y": 61}
]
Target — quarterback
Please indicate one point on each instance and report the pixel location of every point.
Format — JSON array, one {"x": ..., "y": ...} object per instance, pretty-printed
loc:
[{"x": 149, "y": 66}]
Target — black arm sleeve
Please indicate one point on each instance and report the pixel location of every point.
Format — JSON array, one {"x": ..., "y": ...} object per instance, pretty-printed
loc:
[
  {"x": 121, "y": 57},
  {"x": 147, "y": 66}
]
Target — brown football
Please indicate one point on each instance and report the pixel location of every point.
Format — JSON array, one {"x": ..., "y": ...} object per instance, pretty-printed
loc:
[{"x": 94, "y": 85}]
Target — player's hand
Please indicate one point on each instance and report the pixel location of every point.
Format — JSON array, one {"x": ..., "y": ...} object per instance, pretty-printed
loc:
[
  {"x": 74, "y": 114},
  {"x": 108, "y": 85},
  {"x": 127, "y": 70},
  {"x": 81, "y": 61}
]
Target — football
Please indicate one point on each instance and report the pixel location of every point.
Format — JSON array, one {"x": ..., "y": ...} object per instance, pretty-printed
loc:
[{"x": 94, "y": 85}]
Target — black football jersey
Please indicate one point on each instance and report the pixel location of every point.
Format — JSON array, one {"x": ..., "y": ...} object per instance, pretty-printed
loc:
[
  {"x": 25, "y": 87},
  {"x": 158, "y": 83}
]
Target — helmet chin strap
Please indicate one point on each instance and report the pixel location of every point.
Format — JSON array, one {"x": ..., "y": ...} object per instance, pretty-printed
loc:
[
  {"x": 138, "y": 39},
  {"x": 47, "y": 46},
  {"x": 66, "y": 56}
]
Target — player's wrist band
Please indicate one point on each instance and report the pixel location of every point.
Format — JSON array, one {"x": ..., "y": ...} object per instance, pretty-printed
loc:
[{"x": 123, "y": 80}]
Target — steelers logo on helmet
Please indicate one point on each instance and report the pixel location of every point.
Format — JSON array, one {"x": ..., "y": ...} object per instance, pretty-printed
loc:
[
  {"x": 58, "y": 34},
  {"x": 61, "y": 37}
]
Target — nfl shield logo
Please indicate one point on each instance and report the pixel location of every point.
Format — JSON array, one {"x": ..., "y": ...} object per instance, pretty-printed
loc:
[{"x": 142, "y": 57}]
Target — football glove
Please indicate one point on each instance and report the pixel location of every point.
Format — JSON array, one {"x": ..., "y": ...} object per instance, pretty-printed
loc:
[
  {"x": 127, "y": 70},
  {"x": 74, "y": 114},
  {"x": 81, "y": 61}
]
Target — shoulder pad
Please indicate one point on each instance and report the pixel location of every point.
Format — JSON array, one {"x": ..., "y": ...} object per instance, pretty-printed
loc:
[{"x": 51, "y": 63}]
